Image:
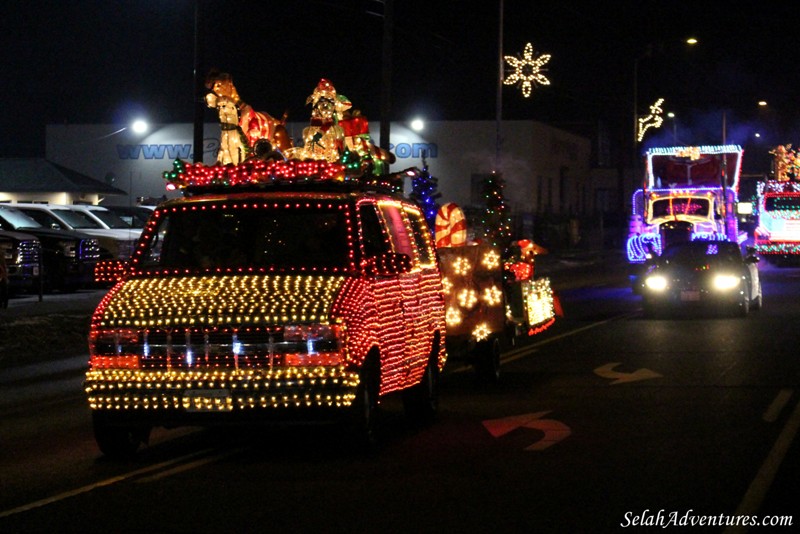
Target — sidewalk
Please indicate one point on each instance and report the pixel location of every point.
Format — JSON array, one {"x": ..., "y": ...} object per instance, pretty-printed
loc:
[{"x": 30, "y": 305}]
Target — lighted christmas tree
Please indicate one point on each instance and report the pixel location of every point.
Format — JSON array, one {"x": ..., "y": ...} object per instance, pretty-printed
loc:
[
  {"x": 496, "y": 220},
  {"x": 424, "y": 192}
]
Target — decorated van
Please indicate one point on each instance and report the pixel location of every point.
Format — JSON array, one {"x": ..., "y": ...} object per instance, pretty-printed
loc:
[
  {"x": 250, "y": 301},
  {"x": 286, "y": 283}
]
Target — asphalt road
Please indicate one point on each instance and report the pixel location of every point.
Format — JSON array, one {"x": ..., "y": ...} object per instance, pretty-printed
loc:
[{"x": 606, "y": 422}]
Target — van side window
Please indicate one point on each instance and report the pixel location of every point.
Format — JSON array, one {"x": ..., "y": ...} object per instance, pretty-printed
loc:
[
  {"x": 398, "y": 231},
  {"x": 422, "y": 235},
  {"x": 372, "y": 237},
  {"x": 153, "y": 255}
]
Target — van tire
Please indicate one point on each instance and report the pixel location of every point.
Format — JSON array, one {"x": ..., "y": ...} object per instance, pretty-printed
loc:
[
  {"x": 421, "y": 401},
  {"x": 118, "y": 442},
  {"x": 487, "y": 360},
  {"x": 365, "y": 413}
]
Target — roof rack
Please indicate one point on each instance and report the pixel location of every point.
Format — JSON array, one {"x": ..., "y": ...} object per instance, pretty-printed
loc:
[{"x": 282, "y": 175}]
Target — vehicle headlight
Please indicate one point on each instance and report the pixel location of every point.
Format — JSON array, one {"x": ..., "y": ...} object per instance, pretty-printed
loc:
[
  {"x": 725, "y": 282},
  {"x": 656, "y": 282}
]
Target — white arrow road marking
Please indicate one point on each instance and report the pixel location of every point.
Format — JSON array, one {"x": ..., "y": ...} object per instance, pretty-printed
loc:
[
  {"x": 554, "y": 431},
  {"x": 607, "y": 371}
]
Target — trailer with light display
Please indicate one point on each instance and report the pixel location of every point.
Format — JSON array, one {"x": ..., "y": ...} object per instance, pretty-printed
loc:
[
  {"x": 490, "y": 295},
  {"x": 689, "y": 193}
]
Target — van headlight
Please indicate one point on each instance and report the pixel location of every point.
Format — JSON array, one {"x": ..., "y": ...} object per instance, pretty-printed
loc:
[
  {"x": 726, "y": 282},
  {"x": 655, "y": 282}
]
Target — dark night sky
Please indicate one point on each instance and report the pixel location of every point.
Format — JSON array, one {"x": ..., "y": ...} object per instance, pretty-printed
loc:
[{"x": 93, "y": 61}]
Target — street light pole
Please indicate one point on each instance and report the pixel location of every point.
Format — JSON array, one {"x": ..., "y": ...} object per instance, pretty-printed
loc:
[
  {"x": 386, "y": 73},
  {"x": 671, "y": 115},
  {"x": 197, "y": 100}
]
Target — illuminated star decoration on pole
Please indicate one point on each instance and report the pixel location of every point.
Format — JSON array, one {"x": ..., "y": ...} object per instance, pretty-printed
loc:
[
  {"x": 653, "y": 120},
  {"x": 527, "y": 70}
]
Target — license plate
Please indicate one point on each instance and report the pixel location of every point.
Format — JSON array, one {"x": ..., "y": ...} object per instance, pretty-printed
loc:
[
  {"x": 208, "y": 400},
  {"x": 690, "y": 296}
]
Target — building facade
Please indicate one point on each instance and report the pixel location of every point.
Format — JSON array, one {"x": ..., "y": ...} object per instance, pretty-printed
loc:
[{"x": 546, "y": 170}]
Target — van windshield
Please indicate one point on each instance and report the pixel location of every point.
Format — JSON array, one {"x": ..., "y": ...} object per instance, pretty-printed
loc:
[
  {"x": 669, "y": 207},
  {"x": 778, "y": 203},
  {"x": 272, "y": 237}
]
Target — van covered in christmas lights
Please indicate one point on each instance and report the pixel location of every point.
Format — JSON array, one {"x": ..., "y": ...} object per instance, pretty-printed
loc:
[{"x": 254, "y": 302}]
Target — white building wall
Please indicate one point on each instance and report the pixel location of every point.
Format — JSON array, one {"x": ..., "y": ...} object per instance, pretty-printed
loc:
[
  {"x": 50, "y": 198},
  {"x": 545, "y": 168}
]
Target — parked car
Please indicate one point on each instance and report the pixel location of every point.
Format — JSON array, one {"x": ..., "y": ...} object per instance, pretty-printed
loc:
[
  {"x": 115, "y": 243},
  {"x": 263, "y": 304},
  {"x": 702, "y": 274},
  {"x": 68, "y": 257},
  {"x": 21, "y": 254},
  {"x": 136, "y": 216},
  {"x": 106, "y": 218}
]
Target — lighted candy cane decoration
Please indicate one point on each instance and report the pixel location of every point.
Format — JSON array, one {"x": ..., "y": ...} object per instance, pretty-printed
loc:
[{"x": 451, "y": 227}]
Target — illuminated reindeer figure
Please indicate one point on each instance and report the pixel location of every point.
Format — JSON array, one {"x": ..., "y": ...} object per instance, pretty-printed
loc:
[{"x": 653, "y": 120}]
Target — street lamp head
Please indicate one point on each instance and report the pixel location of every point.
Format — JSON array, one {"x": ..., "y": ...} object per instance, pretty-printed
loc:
[
  {"x": 139, "y": 126},
  {"x": 692, "y": 41}
]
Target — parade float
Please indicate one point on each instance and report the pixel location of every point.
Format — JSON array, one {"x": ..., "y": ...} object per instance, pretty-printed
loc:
[
  {"x": 689, "y": 192},
  {"x": 777, "y": 236}
]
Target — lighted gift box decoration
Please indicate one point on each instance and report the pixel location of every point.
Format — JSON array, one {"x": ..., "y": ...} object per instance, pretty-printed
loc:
[{"x": 482, "y": 289}]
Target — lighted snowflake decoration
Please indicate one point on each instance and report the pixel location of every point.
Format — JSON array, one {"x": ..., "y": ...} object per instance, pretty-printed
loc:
[
  {"x": 467, "y": 298},
  {"x": 447, "y": 286},
  {"x": 491, "y": 260},
  {"x": 527, "y": 70},
  {"x": 492, "y": 296},
  {"x": 461, "y": 266},
  {"x": 481, "y": 332},
  {"x": 453, "y": 316}
]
